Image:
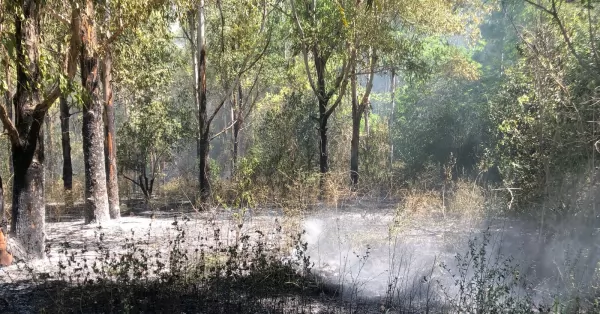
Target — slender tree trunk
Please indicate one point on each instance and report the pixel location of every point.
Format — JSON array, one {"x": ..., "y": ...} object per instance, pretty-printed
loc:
[
  {"x": 366, "y": 113},
  {"x": 48, "y": 147},
  {"x": 356, "y": 116},
  {"x": 67, "y": 171},
  {"x": 28, "y": 205},
  {"x": 110, "y": 147},
  {"x": 96, "y": 198},
  {"x": 392, "y": 115},
  {"x": 237, "y": 124},
  {"x": 203, "y": 140},
  {"x": 2, "y": 213},
  {"x": 7, "y": 95},
  {"x": 323, "y": 156}
]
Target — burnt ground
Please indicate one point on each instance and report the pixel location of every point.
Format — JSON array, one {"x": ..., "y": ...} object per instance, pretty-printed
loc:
[{"x": 365, "y": 258}]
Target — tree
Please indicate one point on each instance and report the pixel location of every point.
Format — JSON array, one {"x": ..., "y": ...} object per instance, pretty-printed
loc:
[
  {"x": 196, "y": 22},
  {"x": 156, "y": 121},
  {"x": 67, "y": 170},
  {"x": 323, "y": 37},
  {"x": 110, "y": 142},
  {"x": 96, "y": 197},
  {"x": 28, "y": 212}
]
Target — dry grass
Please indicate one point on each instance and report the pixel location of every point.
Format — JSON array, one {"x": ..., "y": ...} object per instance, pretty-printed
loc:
[{"x": 467, "y": 201}]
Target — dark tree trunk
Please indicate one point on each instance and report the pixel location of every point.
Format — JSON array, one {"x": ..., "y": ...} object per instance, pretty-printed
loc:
[
  {"x": 203, "y": 140},
  {"x": 358, "y": 109},
  {"x": 29, "y": 209},
  {"x": 355, "y": 129},
  {"x": 323, "y": 100},
  {"x": 96, "y": 198},
  {"x": 204, "y": 171},
  {"x": 67, "y": 171},
  {"x": 323, "y": 156},
  {"x": 237, "y": 125},
  {"x": 110, "y": 147},
  {"x": 28, "y": 206},
  {"x": 392, "y": 115}
]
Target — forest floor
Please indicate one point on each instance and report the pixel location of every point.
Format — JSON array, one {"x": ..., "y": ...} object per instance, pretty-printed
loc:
[{"x": 363, "y": 253}]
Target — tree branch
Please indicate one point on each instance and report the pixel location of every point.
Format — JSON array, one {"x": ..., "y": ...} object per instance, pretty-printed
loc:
[
  {"x": 130, "y": 179},
  {"x": 365, "y": 99},
  {"x": 341, "y": 94},
  {"x": 563, "y": 30},
  {"x": 70, "y": 66},
  {"x": 304, "y": 50},
  {"x": 540, "y": 7},
  {"x": 13, "y": 134},
  {"x": 224, "y": 130}
]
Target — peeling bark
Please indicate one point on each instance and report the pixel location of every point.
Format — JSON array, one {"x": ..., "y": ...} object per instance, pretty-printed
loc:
[
  {"x": 110, "y": 142},
  {"x": 110, "y": 147}
]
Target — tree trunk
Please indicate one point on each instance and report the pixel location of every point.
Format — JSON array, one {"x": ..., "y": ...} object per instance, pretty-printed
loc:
[
  {"x": 237, "y": 124},
  {"x": 48, "y": 149},
  {"x": 203, "y": 150},
  {"x": 203, "y": 140},
  {"x": 323, "y": 156},
  {"x": 392, "y": 115},
  {"x": 96, "y": 198},
  {"x": 366, "y": 113},
  {"x": 356, "y": 116},
  {"x": 7, "y": 96},
  {"x": 110, "y": 147},
  {"x": 2, "y": 213},
  {"x": 67, "y": 171},
  {"x": 28, "y": 206}
]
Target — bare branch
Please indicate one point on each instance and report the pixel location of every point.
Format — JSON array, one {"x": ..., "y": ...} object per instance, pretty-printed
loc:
[
  {"x": 132, "y": 180},
  {"x": 540, "y": 7},
  {"x": 224, "y": 130}
]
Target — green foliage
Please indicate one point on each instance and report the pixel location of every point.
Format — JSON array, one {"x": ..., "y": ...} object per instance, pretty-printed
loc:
[
  {"x": 286, "y": 141},
  {"x": 157, "y": 120},
  {"x": 484, "y": 283}
]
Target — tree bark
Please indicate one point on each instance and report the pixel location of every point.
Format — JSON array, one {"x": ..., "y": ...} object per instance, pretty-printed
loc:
[
  {"x": 2, "y": 214},
  {"x": 237, "y": 125},
  {"x": 25, "y": 134},
  {"x": 28, "y": 204},
  {"x": 48, "y": 148},
  {"x": 96, "y": 198},
  {"x": 7, "y": 95},
  {"x": 110, "y": 147},
  {"x": 67, "y": 171},
  {"x": 392, "y": 114},
  {"x": 358, "y": 109},
  {"x": 203, "y": 140},
  {"x": 356, "y": 116}
]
